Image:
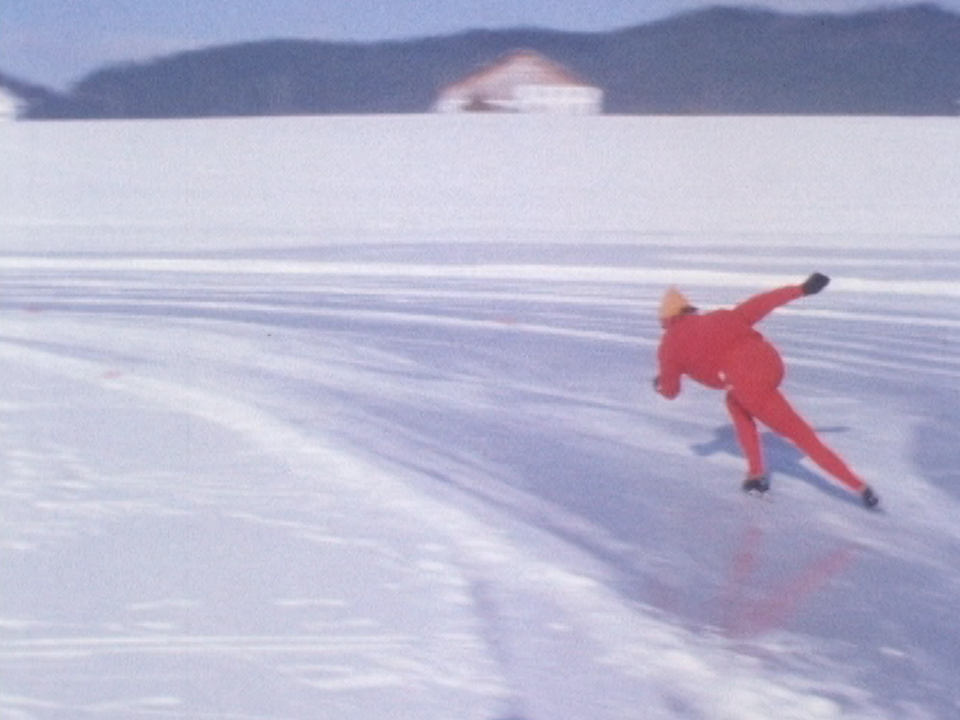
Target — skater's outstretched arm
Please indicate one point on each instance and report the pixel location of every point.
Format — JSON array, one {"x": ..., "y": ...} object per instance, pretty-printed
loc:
[{"x": 759, "y": 306}]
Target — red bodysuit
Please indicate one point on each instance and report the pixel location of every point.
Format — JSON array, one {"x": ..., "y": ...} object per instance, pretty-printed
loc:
[{"x": 722, "y": 350}]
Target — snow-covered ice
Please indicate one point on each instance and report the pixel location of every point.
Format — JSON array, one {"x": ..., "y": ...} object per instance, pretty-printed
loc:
[{"x": 351, "y": 418}]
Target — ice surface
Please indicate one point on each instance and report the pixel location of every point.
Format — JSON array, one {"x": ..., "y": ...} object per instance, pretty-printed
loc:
[{"x": 350, "y": 418}]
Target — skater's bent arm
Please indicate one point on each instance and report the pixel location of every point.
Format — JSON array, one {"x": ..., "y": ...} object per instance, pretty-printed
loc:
[
  {"x": 759, "y": 306},
  {"x": 668, "y": 381},
  {"x": 669, "y": 392}
]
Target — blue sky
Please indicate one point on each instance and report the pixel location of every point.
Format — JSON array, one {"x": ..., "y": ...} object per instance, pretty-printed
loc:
[{"x": 57, "y": 42}]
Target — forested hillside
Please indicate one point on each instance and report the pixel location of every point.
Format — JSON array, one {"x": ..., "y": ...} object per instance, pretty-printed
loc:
[{"x": 719, "y": 61}]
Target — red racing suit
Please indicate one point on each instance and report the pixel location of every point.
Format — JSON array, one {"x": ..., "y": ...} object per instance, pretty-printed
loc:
[{"x": 722, "y": 350}]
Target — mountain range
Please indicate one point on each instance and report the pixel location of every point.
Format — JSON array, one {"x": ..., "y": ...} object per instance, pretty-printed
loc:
[{"x": 724, "y": 60}]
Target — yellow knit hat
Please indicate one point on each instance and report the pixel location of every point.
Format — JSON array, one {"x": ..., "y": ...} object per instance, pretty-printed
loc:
[{"x": 674, "y": 303}]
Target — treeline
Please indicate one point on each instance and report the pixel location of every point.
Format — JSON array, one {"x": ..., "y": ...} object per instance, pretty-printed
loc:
[
  {"x": 721, "y": 61},
  {"x": 28, "y": 93}
]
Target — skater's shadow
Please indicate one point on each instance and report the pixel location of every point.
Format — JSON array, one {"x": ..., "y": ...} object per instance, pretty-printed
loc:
[{"x": 782, "y": 457}]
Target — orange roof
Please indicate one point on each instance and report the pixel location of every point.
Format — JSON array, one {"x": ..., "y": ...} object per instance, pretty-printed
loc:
[{"x": 520, "y": 67}]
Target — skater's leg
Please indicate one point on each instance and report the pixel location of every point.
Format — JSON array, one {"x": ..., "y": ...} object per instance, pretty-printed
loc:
[
  {"x": 776, "y": 412},
  {"x": 747, "y": 435}
]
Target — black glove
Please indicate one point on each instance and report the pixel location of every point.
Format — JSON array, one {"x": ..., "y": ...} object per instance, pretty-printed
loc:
[
  {"x": 656, "y": 383},
  {"x": 814, "y": 284}
]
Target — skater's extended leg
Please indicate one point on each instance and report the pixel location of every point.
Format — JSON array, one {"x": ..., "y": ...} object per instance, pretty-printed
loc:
[{"x": 776, "y": 412}]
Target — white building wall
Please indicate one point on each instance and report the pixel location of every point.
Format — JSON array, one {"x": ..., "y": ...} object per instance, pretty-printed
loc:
[
  {"x": 560, "y": 99},
  {"x": 533, "y": 98},
  {"x": 10, "y": 105},
  {"x": 448, "y": 104}
]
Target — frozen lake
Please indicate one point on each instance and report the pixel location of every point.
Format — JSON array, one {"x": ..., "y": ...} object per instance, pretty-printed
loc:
[{"x": 351, "y": 418}]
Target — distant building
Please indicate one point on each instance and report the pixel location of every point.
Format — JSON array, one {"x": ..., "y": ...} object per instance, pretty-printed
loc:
[
  {"x": 522, "y": 81},
  {"x": 10, "y": 104}
]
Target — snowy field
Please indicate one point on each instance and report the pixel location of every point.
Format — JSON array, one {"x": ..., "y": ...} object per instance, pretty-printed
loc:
[{"x": 351, "y": 419}]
